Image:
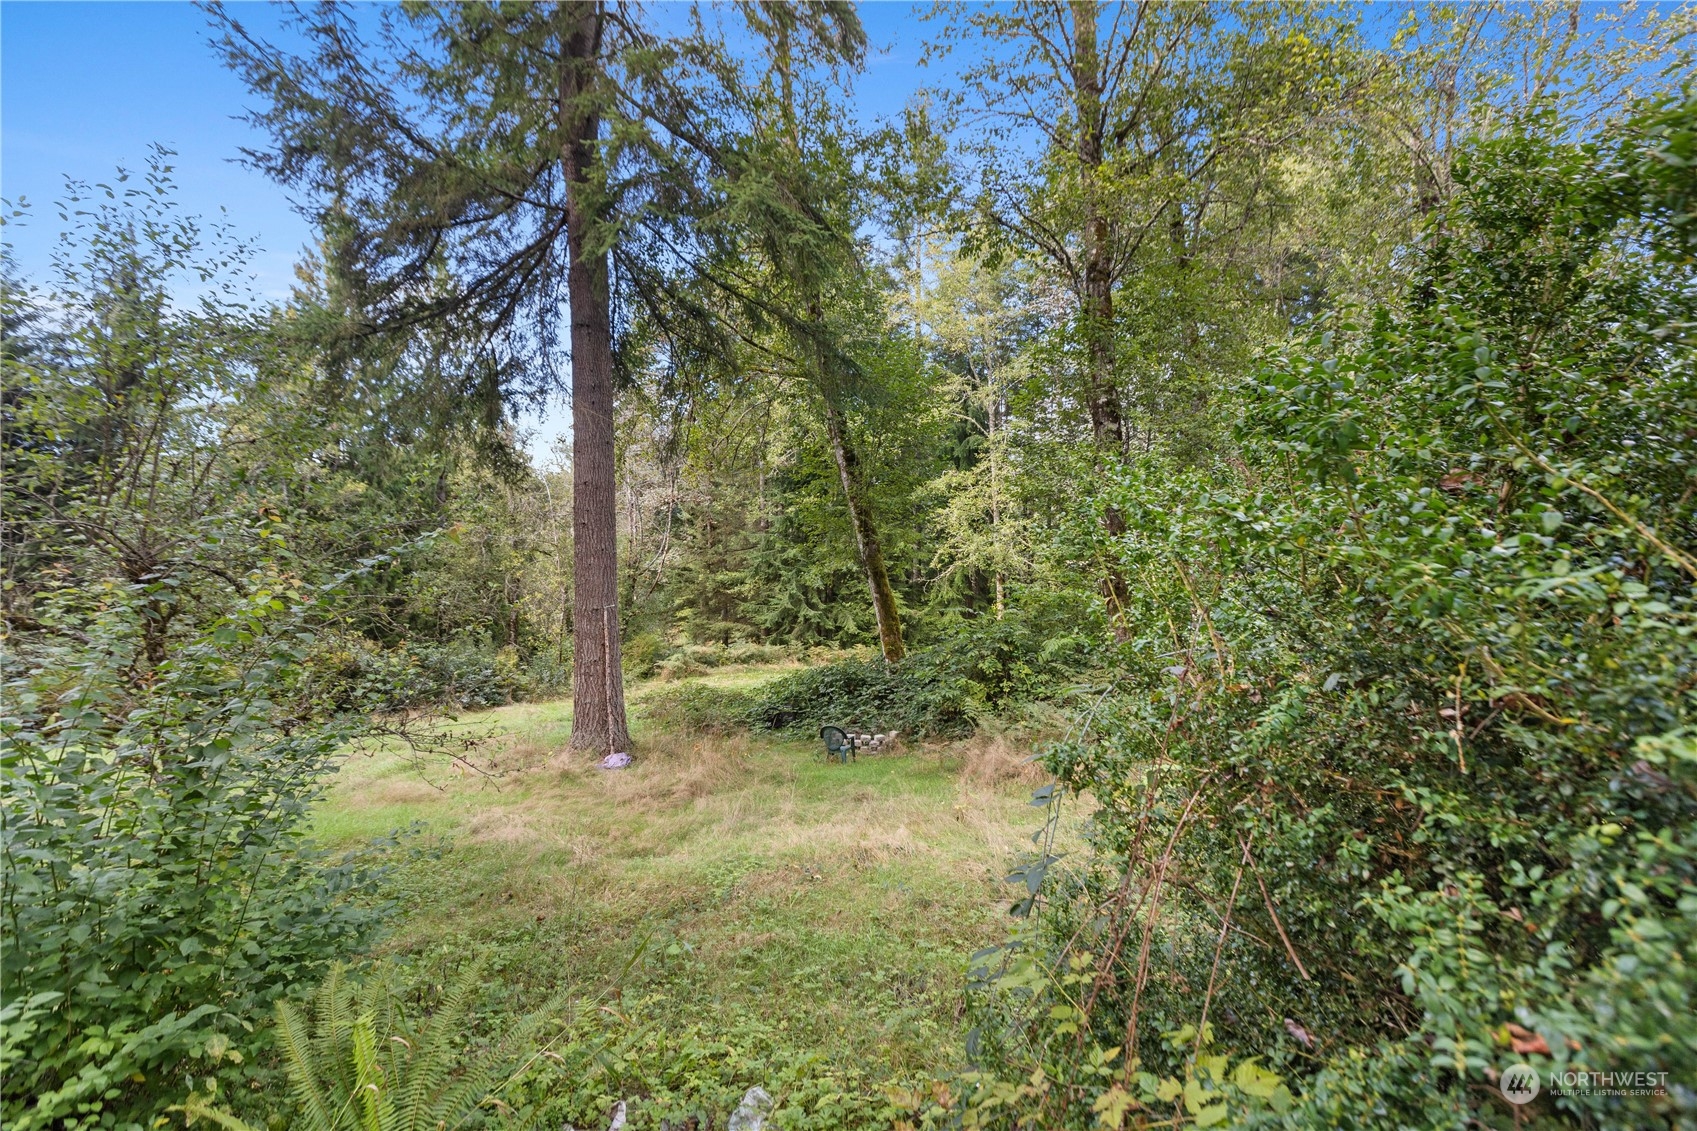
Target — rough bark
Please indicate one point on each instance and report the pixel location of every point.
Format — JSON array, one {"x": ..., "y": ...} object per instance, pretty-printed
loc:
[
  {"x": 598, "y": 698},
  {"x": 1107, "y": 424},
  {"x": 865, "y": 536}
]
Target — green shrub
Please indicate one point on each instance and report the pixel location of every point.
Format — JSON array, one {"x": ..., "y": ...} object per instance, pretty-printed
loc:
[
  {"x": 353, "y": 674},
  {"x": 1409, "y": 697},
  {"x": 678, "y": 668},
  {"x": 695, "y": 707},
  {"x": 698, "y": 659},
  {"x": 924, "y": 696},
  {"x": 1034, "y": 653},
  {"x": 640, "y": 654},
  {"x": 750, "y": 653},
  {"x": 548, "y": 674},
  {"x": 939, "y": 691},
  {"x": 159, "y": 888}
]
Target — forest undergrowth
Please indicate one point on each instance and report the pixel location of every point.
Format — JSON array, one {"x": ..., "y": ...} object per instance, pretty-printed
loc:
[{"x": 730, "y": 911}]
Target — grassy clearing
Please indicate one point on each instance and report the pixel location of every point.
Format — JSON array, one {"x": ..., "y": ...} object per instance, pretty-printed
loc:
[{"x": 730, "y": 910}]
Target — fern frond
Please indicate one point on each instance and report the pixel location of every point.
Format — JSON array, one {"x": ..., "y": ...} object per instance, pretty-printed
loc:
[
  {"x": 432, "y": 1063},
  {"x": 481, "y": 1084},
  {"x": 376, "y": 1104},
  {"x": 395, "y": 1048},
  {"x": 465, "y": 1093},
  {"x": 332, "y": 1032},
  {"x": 299, "y": 1048},
  {"x": 353, "y": 1070}
]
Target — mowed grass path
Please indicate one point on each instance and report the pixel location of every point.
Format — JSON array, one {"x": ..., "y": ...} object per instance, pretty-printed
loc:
[{"x": 720, "y": 880}]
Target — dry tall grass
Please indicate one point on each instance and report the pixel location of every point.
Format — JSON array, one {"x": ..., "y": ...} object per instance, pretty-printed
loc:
[
  {"x": 675, "y": 769},
  {"x": 991, "y": 760}
]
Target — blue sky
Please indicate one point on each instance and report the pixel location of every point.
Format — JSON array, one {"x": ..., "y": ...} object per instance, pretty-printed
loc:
[{"x": 87, "y": 87}]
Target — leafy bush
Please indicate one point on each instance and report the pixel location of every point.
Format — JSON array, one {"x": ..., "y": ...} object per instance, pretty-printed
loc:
[
  {"x": 159, "y": 889},
  {"x": 939, "y": 691},
  {"x": 640, "y": 654},
  {"x": 1401, "y": 787},
  {"x": 695, "y": 707},
  {"x": 350, "y": 673},
  {"x": 470, "y": 677},
  {"x": 1030, "y": 655},
  {"x": 924, "y": 696},
  {"x": 695, "y": 659},
  {"x": 751, "y": 653},
  {"x": 547, "y": 674}
]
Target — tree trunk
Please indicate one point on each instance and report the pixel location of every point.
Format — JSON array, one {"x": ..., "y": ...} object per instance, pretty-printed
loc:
[
  {"x": 995, "y": 501},
  {"x": 865, "y": 536},
  {"x": 598, "y": 699},
  {"x": 1107, "y": 425},
  {"x": 836, "y": 428}
]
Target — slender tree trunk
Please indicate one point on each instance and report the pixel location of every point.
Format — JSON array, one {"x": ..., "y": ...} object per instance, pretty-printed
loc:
[
  {"x": 866, "y": 540},
  {"x": 598, "y": 699},
  {"x": 996, "y": 502},
  {"x": 865, "y": 536},
  {"x": 1107, "y": 424}
]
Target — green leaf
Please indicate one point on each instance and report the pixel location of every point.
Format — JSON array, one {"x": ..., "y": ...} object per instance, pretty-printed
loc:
[
  {"x": 1111, "y": 1107},
  {"x": 1254, "y": 1080}
]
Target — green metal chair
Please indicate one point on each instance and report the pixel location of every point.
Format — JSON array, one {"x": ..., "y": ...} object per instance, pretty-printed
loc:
[{"x": 838, "y": 746}]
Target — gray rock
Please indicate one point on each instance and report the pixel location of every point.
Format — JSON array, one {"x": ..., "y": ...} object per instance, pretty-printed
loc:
[{"x": 751, "y": 1113}]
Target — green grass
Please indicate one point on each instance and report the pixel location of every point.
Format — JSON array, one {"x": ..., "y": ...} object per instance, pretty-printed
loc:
[{"x": 729, "y": 910}]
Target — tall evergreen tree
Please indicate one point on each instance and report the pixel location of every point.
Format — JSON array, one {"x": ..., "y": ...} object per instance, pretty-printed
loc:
[
  {"x": 795, "y": 196},
  {"x": 474, "y": 164}
]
